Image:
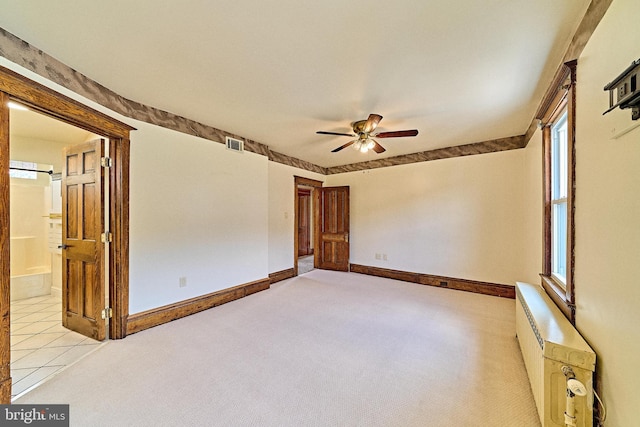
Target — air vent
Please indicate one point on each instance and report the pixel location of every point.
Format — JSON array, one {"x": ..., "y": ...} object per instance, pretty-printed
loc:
[{"x": 235, "y": 144}]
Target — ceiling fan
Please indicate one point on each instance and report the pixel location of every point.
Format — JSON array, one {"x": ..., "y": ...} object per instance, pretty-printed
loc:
[{"x": 363, "y": 131}]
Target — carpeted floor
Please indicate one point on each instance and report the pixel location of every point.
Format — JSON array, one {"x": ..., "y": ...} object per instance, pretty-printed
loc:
[{"x": 323, "y": 349}]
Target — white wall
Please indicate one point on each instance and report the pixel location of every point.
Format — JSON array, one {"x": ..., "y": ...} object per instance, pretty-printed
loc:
[
  {"x": 198, "y": 211},
  {"x": 608, "y": 214},
  {"x": 282, "y": 213},
  {"x": 460, "y": 217}
]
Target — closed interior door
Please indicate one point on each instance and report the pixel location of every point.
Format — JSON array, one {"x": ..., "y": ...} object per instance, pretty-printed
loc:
[
  {"x": 332, "y": 228},
  {"x": 83, "y": 297}
]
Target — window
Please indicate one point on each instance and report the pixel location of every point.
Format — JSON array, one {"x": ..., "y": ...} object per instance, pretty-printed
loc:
[
  {"x": 557, "y": 119},
  {"x": 559, "y": 200},
  {"x": 23, "y": 170}
]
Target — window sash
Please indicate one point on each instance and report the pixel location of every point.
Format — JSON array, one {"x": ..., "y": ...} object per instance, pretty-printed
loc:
[
  {"x": 557, "y": 119},
  {"x": 559, "y": 241},
  {"x": 559, "y": 178}
]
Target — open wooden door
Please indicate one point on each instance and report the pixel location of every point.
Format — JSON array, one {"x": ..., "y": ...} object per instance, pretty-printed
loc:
[
  {"x": 332, "y": 228},
  {"x": 304, "y": 225},
  {"x": 83, "y": 296}
]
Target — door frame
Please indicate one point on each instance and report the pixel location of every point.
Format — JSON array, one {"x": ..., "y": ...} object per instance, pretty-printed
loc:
[
  {"x": 306, "y": 182},
  {"x": 38, "y": 97}
]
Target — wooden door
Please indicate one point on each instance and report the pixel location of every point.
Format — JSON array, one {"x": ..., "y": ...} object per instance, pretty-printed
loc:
[
  {"x": 332, "y": 228},
  {"x": 304, "y": 225},
  {"x": 83, "y": 255}
]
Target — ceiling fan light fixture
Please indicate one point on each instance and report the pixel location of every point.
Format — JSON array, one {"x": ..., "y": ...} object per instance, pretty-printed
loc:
[{"x": 363, "y": 130}]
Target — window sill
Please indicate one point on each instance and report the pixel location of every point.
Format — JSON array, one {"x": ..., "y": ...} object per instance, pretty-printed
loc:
[{"x": 559, "y": 296}]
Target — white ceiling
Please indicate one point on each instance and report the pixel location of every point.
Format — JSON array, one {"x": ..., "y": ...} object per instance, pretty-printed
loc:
[
  {"x": 36, "y": 126},
  {"x": 460, "y": 71}
]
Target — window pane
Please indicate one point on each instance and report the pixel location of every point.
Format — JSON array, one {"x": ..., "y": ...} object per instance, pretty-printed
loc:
[
  {"x": 559, "y": 241},
  {"x": 559, "y": 158},
  {"x": 23, "y": 174}
]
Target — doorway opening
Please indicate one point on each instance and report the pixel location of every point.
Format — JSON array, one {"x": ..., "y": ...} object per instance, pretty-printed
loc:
[
  {"x": 304, "y": 230},
  {"x": 15, "y": 87},
  {"x": 42, "y": 343}
]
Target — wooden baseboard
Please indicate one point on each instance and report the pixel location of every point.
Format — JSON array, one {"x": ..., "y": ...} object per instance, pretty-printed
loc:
[
  {"x": 281, "y": 275},
  {"x": 494, "y": 289},
  {"x": 157, "y": 316}
]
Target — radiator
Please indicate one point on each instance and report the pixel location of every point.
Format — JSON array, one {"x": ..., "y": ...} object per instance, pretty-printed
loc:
[{"x": 549, "y": 342}]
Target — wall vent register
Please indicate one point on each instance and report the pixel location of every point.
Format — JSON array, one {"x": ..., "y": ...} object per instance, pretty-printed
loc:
[{"x": 235, "y": 144}]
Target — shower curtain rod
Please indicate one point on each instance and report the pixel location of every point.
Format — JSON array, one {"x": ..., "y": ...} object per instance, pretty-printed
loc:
[{"x": 32, "y": 170}]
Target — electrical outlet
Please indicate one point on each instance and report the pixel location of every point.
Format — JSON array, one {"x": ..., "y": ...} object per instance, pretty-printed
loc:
[
  {"x": 182, "y": 282},
  {"x": 378, "y": 256},
  {"x": 384, "y": 257}
]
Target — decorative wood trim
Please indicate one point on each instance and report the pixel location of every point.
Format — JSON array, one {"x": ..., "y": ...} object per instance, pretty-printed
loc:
[
  {"x": 157, "y": 316},
  {"x": 54, "y": 104},
  {"x": 25, "y": 55},
  {"x": 494, "y": 289},
  {"x": 5, "y": 279},
  {"x": 491, "y": 146},
  {"x": 300, "y": 180},
  {"x": 119, "y": 226},
  {"x": 564, "y": 97},
  {"x": 49, "y": 102},
  {"x": 553, "y": 97},
  {"x": 279, "y": 276},
  {"x": 592, "y": 17},
  {"x": 558, "y": 296},
  {"x": 297, "y": 163}
]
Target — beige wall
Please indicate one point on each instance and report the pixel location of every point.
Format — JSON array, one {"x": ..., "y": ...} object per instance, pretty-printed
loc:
[
  {"x": 460, "y": 217},
  {"x": 608, "y": 214},
  {"x": 533, "y": 206},
  {"x": 607, "y": 240},
  {"x": 198, "y": 211}
]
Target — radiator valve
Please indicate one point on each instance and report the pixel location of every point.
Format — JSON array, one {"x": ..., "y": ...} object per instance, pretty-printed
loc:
[{"x": 574, "y": 388}]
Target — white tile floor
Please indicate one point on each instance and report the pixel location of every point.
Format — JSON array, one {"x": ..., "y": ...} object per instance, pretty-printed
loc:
[{"x": 40, "y": 345}]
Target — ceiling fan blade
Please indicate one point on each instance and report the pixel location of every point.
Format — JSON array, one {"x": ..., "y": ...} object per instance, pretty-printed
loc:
[
  {"x": 397, "y": 133},
  {"x": 378, "y": 148},
  {"x": 321, "y": 132},
  {"x": 372, "y": 123},
  {"x": 343, "y": 146}
]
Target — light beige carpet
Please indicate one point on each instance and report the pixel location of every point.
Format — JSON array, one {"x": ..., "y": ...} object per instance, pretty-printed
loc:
[{"x": 323, "y": 349}]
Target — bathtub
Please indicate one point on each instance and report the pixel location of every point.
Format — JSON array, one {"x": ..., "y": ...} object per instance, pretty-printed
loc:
[
  {"x": 29, "y": 277},
  {"x": 31, "y": 285}
]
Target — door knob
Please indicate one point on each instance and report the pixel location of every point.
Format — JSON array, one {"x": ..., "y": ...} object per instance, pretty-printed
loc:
[{"x": 63, "y": 247}]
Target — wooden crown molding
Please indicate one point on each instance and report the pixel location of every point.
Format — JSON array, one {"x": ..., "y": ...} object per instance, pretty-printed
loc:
[
  {"x": 27, "y": 56},
  {"x": 592, "y": 17},
  {"x": 491, "y": 146}
]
